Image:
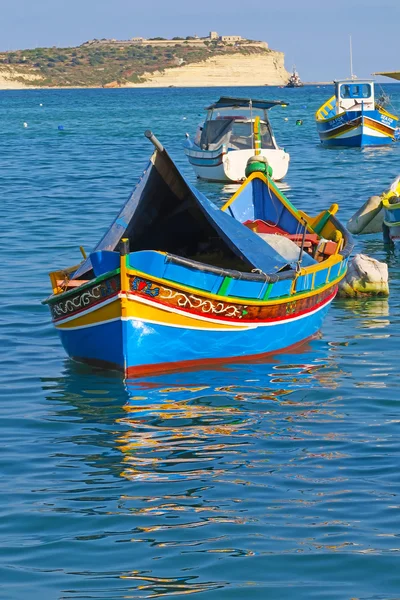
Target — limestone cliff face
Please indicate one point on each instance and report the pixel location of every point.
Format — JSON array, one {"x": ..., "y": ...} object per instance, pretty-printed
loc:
[
  {"x": 14, "y": 79},
  {"x": 260, "y": 67},
  {"x": 266, "y": 68}
]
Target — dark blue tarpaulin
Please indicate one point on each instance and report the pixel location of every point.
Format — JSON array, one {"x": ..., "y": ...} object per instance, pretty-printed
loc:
[{"x": 164, "y": 212}]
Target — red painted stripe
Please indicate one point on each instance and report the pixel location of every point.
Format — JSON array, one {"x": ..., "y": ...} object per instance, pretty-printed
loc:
[
  {"x": 213, "y": 363},
  {"x": 247, "y": 321}
]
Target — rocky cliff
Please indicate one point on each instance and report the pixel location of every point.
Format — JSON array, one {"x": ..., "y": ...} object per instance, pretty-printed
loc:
[
  {"x": 229, "y": 70},
  {"x": 144, "y": 65}
]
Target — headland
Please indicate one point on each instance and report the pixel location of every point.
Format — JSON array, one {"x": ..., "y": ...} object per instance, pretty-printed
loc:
[{"x": 179, "y": 62}]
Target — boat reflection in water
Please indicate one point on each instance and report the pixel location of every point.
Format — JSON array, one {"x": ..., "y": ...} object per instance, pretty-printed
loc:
[
  {"x": 195, "y": 468},
  {"x": 175, "y": 425}
]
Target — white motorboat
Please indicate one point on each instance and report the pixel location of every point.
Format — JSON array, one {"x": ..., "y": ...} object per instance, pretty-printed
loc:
[{"x": 225, "y": 142}]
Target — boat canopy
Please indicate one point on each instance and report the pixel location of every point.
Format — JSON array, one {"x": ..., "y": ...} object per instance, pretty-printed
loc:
[
  {"x": 237, "y": 134},
  {"x": 165, "y": 213},
  {"x": 229, "y": 102},
  {"x": 392, "y": 74}
]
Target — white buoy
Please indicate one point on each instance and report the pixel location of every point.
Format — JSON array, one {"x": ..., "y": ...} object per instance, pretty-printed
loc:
[
  {"x": 368, "y": 218},
  {"x": 365, "y": 276},
  {"x": 25, "y": 124},
  {"x": 40, "y": 104}
]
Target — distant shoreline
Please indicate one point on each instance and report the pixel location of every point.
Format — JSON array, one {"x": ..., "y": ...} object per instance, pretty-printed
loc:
[
  {"x": 152, "y": 86},
  {"x": 166, "y": 87}
]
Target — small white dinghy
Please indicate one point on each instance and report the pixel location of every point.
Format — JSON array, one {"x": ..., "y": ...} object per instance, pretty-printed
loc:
[{"x": 225, "y": 142}]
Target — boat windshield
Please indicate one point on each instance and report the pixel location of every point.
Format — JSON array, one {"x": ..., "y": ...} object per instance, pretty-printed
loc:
[
  {"x": 235, "y": 133},
  {"x": 236, "y": 112}
]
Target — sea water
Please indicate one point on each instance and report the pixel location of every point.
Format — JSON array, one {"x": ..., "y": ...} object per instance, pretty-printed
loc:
[{"x": 272, "y": 479}]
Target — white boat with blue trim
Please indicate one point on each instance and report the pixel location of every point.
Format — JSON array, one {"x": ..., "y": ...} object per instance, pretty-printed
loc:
[
  {"x": 353, "y": 117},
  {"x": 225, "y": 141}
]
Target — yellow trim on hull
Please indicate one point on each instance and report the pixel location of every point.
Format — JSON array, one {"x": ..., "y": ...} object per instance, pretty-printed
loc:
[
  {"x": 386, "y": 113},
  {"x": 270, "y": 184},
  {"x": 96, "y": 314},
  {"x": 161, "y": 314},
  {"x": 341, "y": 133},
  {"x": 370, "y": 124},
  {"x": 129, "y": 307}
]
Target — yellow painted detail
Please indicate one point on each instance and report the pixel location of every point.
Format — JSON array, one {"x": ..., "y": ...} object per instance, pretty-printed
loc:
[
  {"x": 138, "y": 310},
  {"x": 329, "y": 231},
  {"x": 256, "y": 133},
  {"x": 326, "y": 264},
  {"x": 391, "y": 224},
  {"x": 103, "y": 313},
  {"x": 388, "y": 195},
  {"x": 332, "y": 260},
  {"x": 124, "y": 275},
  {"x": 277, "y": 192},
  {"x": 131, "y": 308},
  {"x": 62, "y": 274},
  {"x": 388, "y": 114},
  {"x": 328, "y": 274},
  {"x": 325, "y": 109},
  {"x": 370, "y": 123},
  {"x": 335, "y": 135},
  {"x": 386, "y": 204}
]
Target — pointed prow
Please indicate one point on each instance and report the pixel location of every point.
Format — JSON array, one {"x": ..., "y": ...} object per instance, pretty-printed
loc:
[{"x": 150, "y": 135}]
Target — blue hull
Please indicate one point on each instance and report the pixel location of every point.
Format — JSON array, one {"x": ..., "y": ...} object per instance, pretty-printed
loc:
[
  {"x": 357, "y": 129},
  {"x": 133, "y": 344},
  {"x": 358, "y": 141},
  {"x": 99, "y": 344}
]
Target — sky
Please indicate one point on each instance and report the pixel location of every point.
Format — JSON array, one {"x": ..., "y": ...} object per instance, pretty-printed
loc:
[{"x": 313, "y": 37}]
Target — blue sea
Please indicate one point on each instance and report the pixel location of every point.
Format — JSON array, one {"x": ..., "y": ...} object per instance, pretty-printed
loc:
[{"x": 275, "y": 479}]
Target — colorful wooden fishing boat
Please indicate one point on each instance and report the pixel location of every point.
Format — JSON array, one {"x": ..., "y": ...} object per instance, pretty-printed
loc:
[
  {"x": 352, "y": 117},
  {"x": 177, "y": 282},
  {"x": 391, "y": 212},
  {"x": 225, "y": 141}
]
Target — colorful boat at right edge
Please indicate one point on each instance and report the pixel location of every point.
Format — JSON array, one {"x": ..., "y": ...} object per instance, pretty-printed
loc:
[
  {"x": 352, "y": 117},
  {"x": 391, "y": 212}
]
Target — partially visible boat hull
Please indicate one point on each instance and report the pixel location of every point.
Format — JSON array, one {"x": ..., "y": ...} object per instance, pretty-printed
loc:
[
  {"x": 229, "y": 166},
  {"x": 353, "y": 117},
  {"x": 357, "y": 130},
  {"x": 391, "y": 220}
]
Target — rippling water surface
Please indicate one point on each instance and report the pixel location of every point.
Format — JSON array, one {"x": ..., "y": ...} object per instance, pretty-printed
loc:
[{"x": 276, "y": 479}]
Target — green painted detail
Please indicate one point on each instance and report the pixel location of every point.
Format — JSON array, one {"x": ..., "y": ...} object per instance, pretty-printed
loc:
[
  {"x": 280, "y": 193},
  {"x": 224, "y": 286},
  {"x": 268, "y": 291},
  {"x": 322, "y": 222},
  {"x": 244, "y": 312},
  {"x": 258, "y": 167},
  {"x": 392, "y": 223}
]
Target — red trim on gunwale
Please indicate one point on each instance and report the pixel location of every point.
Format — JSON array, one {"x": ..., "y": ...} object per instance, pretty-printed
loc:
[{"x": 249, "y": 321}]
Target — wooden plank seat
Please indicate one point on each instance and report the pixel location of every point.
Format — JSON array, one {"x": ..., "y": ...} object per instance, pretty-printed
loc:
[
  {"x": 260, "y": 226},
  {"x": 328, "y": 247},
  {"x": 72, "y": 283}
]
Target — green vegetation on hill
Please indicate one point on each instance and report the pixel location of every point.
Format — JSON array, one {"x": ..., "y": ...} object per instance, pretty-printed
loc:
[{"x": 95, "y": 65}]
